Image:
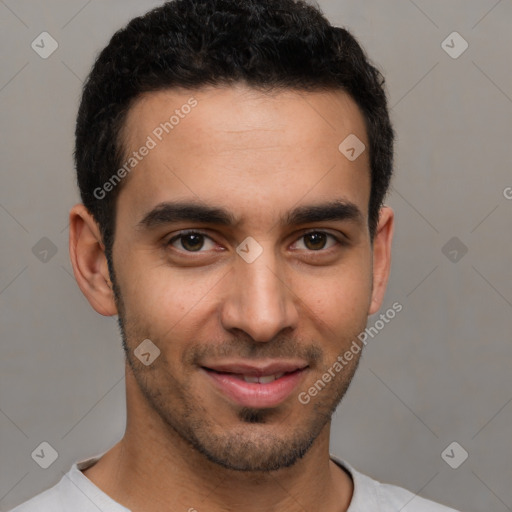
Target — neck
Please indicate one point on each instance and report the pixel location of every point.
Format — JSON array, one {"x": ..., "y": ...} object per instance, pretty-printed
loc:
[{"x": 153, "y": 469}]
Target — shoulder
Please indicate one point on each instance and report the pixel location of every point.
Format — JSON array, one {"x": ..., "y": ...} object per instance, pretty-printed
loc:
[
  {"x": 398, "y": 498},
  {"x": 74, "y": 492},
  {"x": 370, "y": 494},
  {"x": 50, "y": 500}
]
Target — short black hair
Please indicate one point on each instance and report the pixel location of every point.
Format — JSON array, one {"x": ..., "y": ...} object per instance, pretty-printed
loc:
[{"x": 266, "y": 44}]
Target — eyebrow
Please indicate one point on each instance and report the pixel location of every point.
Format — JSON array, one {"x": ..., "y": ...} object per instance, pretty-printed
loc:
[{"x": 173, "y": 212}]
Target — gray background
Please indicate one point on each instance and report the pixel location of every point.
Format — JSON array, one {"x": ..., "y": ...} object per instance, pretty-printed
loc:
[{"x": 439, "y": 372}]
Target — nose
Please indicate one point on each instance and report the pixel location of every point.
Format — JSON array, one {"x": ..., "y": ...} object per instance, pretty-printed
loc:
[{"x": 260, "y": 302}]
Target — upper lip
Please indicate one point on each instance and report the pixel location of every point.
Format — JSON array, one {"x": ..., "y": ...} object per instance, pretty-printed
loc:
[{"x": 256, "y": 369}]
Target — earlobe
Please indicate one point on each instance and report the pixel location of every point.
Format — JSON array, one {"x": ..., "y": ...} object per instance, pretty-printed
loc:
[
  {"x": 89, "y": 262},
  {"x": 381, "y": 257}
]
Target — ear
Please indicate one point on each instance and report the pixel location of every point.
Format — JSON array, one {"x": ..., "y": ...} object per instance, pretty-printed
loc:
[
  {"x": 87, "y": 254},
  {"x": 381, "y": 257}
]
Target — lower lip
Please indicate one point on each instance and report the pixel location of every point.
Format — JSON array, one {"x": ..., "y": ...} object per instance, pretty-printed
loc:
[{"x": 248, "y": 394}]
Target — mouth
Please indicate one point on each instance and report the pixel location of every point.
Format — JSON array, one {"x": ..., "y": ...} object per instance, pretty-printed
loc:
[{"x": 261, "y": 386}]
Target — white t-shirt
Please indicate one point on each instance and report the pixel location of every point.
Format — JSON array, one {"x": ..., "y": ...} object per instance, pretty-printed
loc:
[{"x": 76, "y": 493}]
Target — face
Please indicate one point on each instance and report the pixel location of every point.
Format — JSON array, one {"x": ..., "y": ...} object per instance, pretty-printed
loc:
[{"x": 242, "y": 252}]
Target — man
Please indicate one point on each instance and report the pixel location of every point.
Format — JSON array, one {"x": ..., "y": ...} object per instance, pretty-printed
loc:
[{"x": 232, "y": 157}]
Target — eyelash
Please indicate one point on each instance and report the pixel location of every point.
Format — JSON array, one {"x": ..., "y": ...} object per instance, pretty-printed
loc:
[{"x": 339, "y": 241}]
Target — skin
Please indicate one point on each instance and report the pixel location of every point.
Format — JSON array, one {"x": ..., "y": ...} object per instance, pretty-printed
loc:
[{"x": 187, "y": 446}]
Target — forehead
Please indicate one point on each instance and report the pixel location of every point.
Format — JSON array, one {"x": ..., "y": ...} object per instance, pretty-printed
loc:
[
  {"x": 235, "y": 145},
  {"x": 243, "y": 113}
]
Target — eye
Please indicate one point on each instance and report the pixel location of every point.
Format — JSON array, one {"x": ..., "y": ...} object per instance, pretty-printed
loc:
[
  {"x": 315, "y": 241},
  {"x": 191, "y": 241}
]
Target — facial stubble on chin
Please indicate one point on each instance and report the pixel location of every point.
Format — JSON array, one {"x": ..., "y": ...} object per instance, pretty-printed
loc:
[{"x": 251, "y": 446}]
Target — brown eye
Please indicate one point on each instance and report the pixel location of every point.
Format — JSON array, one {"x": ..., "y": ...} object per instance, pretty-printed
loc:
[
  {"x": 315, "y": 241},
  {"x": 191, "y": 242}
]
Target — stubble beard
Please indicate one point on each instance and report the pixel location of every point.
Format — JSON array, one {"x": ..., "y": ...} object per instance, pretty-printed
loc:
[{"x": 263, "y": 440}]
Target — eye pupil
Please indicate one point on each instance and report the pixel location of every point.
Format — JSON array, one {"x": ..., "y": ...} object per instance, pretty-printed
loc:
[
  {"x": 192, "y": 242},
  {"x": 315, "y": 241}
]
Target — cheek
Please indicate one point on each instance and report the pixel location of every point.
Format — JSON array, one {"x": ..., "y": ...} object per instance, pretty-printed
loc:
[
  {"x": 340, "y": 303},
  {"x": 165, "y": 300},
  {"x": 340, "y": 298}
]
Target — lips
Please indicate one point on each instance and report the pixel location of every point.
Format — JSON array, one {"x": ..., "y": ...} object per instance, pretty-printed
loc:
[
  {"x": 258, "y": 370},
  {"x": 256, "y": 385}
]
